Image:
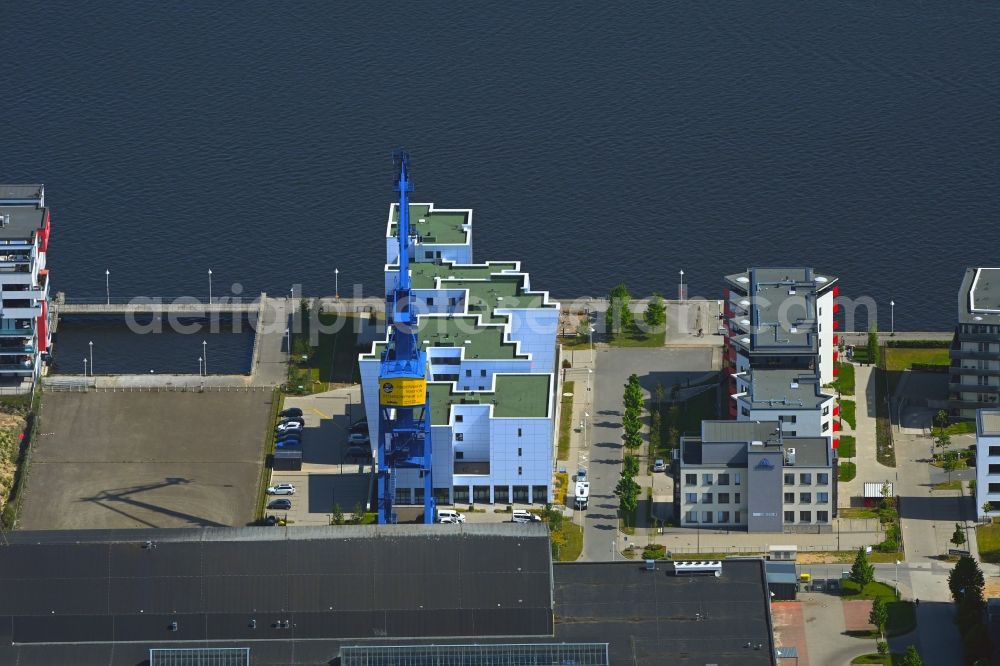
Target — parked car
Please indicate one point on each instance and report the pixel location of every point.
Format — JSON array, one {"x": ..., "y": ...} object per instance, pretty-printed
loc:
[
  {"x": 289, "y": 427},
  {"x": 522, "y": 516},
  {"x": 288, "y": 443},
  {"x": 450, "y": 516},
  {"x": 271, "y": 521},
  {"x": 659, "y": 465},
  {"x": 281, "y": 489},
  {"x": 293, "y": 419},
  {"x": 361, "y": 427},
  {"x": 291, "y": 411},
  {"x": 280, "y": 504},
  {"x": 359, "y": 452},
  {"x": 358, "y": 438}
]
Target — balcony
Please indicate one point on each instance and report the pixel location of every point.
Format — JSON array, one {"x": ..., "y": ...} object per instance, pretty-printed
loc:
[
  {"x": 476, "y": 468},
  {"x": 956, "y": 385},
  {"x": 963, "y": 353}
]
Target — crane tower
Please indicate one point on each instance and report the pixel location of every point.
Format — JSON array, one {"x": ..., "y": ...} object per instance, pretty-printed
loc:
[{"x": 404, "y": 430}]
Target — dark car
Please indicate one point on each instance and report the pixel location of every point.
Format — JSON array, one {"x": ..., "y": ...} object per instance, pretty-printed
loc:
[
  {"x": 359, "y": 452},
  {"x": 280, "y": 504},
  {"x": 360, "y": 428},
  {"x": 289, "y": 443},
  {"x": 271, "y": 520},
  {"x": 291, "y": 411}
]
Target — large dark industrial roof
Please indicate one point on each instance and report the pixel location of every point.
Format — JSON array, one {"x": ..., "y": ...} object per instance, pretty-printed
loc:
[{"x": 653, "y": 617}]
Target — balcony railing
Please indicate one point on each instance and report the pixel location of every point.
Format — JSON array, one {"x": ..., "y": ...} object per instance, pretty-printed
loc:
[{"x": 964, "y": 353}]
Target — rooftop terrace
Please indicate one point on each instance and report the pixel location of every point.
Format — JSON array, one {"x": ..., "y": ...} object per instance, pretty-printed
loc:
[
  {"x": 780, "y": 389},
  {"x": 424, "y": 276},
  {"x": 988, "y": 423},
  {"x": 433, "y": 226},
  {"x": 514, "y": 396},
  {"x": 479, "y": 341},
  {"x": 979, "y": 296}
]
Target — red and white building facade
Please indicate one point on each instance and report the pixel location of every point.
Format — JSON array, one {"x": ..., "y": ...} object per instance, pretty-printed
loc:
[
  {"x": 25, "y": 320},
  {"x": 781, "y": 349}
]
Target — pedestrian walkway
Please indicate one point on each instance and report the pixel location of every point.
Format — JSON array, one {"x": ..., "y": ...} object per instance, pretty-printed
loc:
[
  {"x": 868, "y": 466},
  {"x": 582, "y": 417}
]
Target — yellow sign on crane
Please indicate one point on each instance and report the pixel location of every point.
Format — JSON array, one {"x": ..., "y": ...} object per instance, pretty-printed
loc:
[{"x": 402, "y": 391}]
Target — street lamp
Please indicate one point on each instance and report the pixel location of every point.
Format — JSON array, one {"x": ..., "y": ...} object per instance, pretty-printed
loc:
[
  {"x": 336, "y": 282},
  {"x": 892, "y": 317},
  {"x": 897, "y": 579},
  {"x": 681, "y": 294},
  {"x": 91, "y": 343},
  {"x": 200, "y": 373},
  {"x": 204, "y": 353},
  {"x": 84, "y": 366},
  {"x": 209, "y": 285},
  {"x": 107, "y": 284},
  {"x": 288, "y": 341},
  {"x": 590, "y": 371}
]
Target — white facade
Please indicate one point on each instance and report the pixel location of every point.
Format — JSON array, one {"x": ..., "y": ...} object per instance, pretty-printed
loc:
[
  {"x": 481, "y": 452},
  {"x": 988, "y": 462}
]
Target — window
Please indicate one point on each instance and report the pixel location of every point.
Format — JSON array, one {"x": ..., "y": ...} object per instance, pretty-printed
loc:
[
  {"x": 459, "y": 455},
  {"x": 691, "y": 479},
  {"x": 805, "y": 516},
  {"x": 706, "y": 479},
  {"x": 690, "y": 516},
  {"x": 691, "y": 498},
  {"x": 744, "y": 411},
  {"x": 737, "y": 498},
  {"x": 789, "y": 498},
  {"x": 459, "y": 436},
  {"x": 789, "y": 516},
  {"x": 826, "y": 410},
  {"x": 723, "y": 498},
  {"x": 706, "y": 498},
  {"x": 826, "y": 426},
  {"x": 805, "y": 479},
  {"x": 428, "y": 255},
  {"x": 822, "y": 479},
  {"x": 822, "y": 498},
  {"x": 430, "y": 301},
  {"x": 737, "y": 517},
  {"x": 468, "y": 373},
  {"x": 519, "y": 453},
  {"x": 789, "y": 433},
  {"x": 805, "y": 498},
  {"x": 501, "y": 494},
  {"x": 788, "y": 419},
  {"x": 736, "y": 479},
  {"x": 994, "y": 469},
  {"x": 520, "y": 471},
  {"x": 822, "y": 516},
  {"x": 789, "y": 479},
  {"x": 482, "y": 373},
  {"x": 518, "y": 432},
  {"x": 723, "y": 480},
  {"x": 706, "y": 517},
  {"x": 995, "y": 450},
  {"x": 995, "y": 487},
  {"x": 459, "y": 418},
  {"x": 722, "y": 517}
]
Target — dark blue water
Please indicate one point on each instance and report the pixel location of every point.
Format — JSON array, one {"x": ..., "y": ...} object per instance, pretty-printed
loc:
[
  {"x": 596, "y": 142},
  {"x": 161, "y": 348}
]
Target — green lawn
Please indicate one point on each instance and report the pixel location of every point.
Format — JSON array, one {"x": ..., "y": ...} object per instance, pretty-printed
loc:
[
  {"x": 574, "y": 541},
  {"x": 847, "y": 413},
  {"x": 639, "y": 339},
  {"x": 903, "y": 358},
  {"x": 334, "y": 358},
  {"x": 685, "y": 418},
  {"x": 575, "y": 342},
  {"x": 895, "y": 659},
  {"x": 954, "y": 484},
  {"x": 847, "y": 471},
  {"x": 566, "y": 420},
  {"x": 961, "y": 428},
  {"x": 857, "y": 513},
  {"x": 988, "y": 538},
  {"x": 845, "y": 378},
  {"x": 848, "y": 446},
  {"x": 902, "y": 614}
]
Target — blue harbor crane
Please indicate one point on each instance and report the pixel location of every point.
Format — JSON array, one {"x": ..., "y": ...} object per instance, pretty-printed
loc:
[{"x": 404, "y": 428}]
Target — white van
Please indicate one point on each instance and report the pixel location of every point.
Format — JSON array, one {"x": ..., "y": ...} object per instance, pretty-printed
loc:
[
  {"x": 450, "y": 516},
  {"x": 522, "y": 516}
]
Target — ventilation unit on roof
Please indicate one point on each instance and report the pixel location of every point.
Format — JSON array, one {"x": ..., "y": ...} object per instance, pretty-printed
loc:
[
  {"x": 790, "y": 456},
  {"x": 4, "y": 219},
  {"x": 795, "y": 384},
  {"x": 791, "y": 291}
]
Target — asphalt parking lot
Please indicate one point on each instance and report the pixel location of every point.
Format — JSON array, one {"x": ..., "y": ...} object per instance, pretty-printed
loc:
[{"x": 106, "y": 460}]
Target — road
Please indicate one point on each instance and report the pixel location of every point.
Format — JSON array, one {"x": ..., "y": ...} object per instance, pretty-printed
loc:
[{"x": 613, "y": 367}]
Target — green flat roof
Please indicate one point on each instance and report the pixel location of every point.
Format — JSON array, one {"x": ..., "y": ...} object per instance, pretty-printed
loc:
[
  {"x": 422, "y": 276},
  {"x": 524, "y": 396},
  {"x": 483, "y": 341},
  {"x": 437, "y": 227}
]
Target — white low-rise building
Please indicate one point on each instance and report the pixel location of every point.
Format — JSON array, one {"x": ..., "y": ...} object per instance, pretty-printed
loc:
[{"x": 988, "y": 462}]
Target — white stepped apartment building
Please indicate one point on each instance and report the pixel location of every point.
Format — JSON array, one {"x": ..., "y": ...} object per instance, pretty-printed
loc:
[
  {"x": 975, "y": 349},
  {"x": 25, "y": 331},
  {"x": 988, "y": 462},
  {"x": 492, "y": 380},
  {"x": 781, "y": 348}
]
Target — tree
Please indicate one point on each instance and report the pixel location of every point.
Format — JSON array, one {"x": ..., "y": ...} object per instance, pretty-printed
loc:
[
  {"x": 633, "y": 394},
  {"x": 943, "y": 439},
  {"x": 619, "y": 317},
  {"x": 966, "y": 581},
  {"x": 951, "y": 463},
  {"x": 631, "y": 427},
  {"x": 357, "y": 514},
  {"x": 659, "y": 392},
  {"x": 862, "y": 572},
  {"x": 886, "y": 492},
  {"x": 338, "y": 515},
  {"x": 882, "y": 647},
  {"x": 912, "y": 657},
  {"x": 627, "y": 491},
  {"x": 958, "y": 536},
  {"x": 941, "y": 419},
  {"x": 872, "y": 344},
  {"x": 655, "y": 423},
  {"x": 656, "y": 313},
  {"x": 631, "y": 466},
  {"x": 879, "y": 614},
  {"x": 987, "y": 509}
]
